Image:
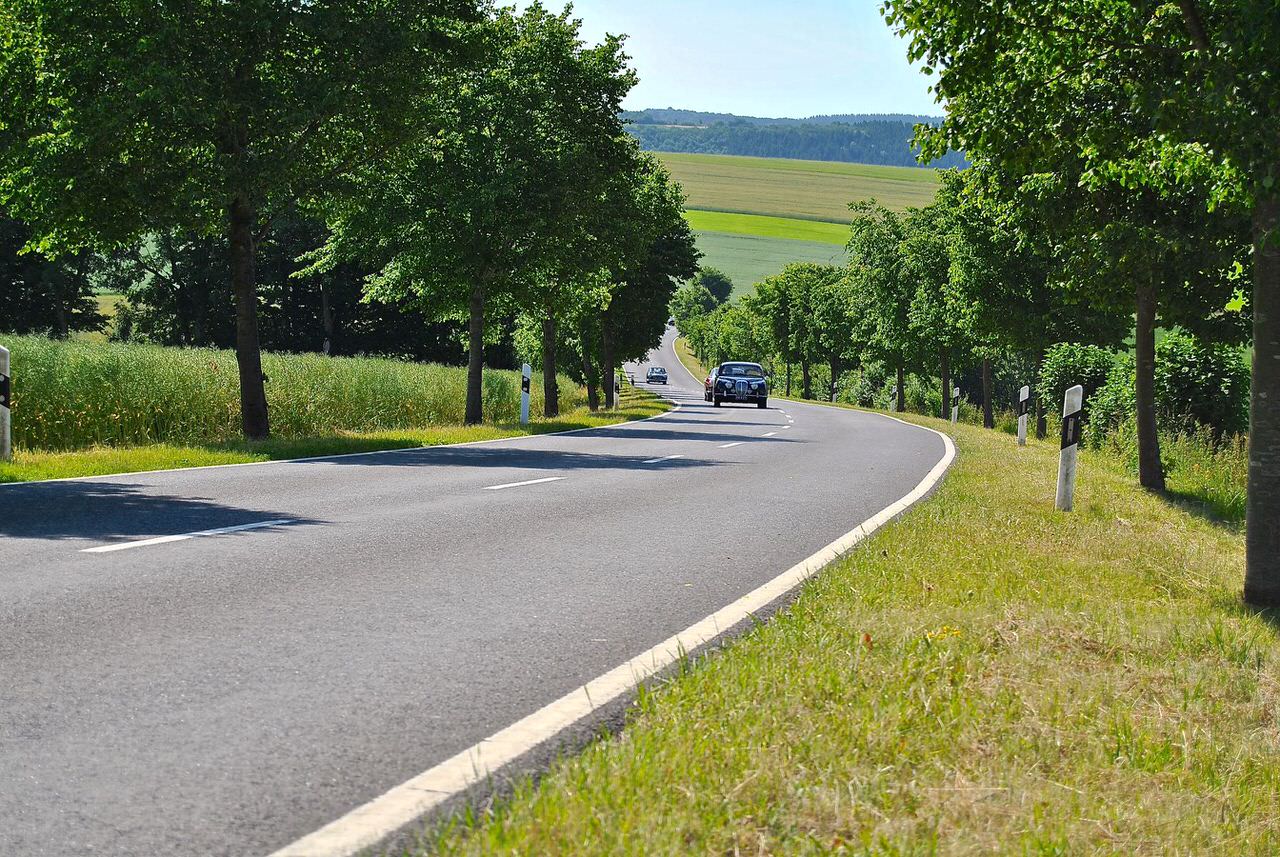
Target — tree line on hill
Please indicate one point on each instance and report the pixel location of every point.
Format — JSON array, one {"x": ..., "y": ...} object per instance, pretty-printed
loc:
[
  {"x": 674, "y": 116},
  {"x": 886, "y": 141},
  {"x": 430, "y": 178}
]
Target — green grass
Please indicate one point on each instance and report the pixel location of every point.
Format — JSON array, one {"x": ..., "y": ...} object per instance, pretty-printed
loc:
[
  {"x": 984, "y": 676},
  {"x": 30, "y": 465},
  {"x": 73, "y": 395},
  {"x": 748, "y": 259},
  {"x": 769, "y": 227},
  {"x": 809, "y": 190}
]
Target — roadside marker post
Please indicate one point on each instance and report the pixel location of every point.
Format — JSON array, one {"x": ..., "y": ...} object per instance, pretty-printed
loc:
[
  {"x": 955, "y": 404},
  {"x": 526, "y": 373},
  {"x": 1024, "y": 405},
  {"x": 1070, "y": 447},
  {"x": 6, "y": 423}
]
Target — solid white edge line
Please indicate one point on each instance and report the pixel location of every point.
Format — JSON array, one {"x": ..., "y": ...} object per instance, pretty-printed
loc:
[
  {"x": 522, "y": 484},
  {"x": 676, "y": 406},
  {"x": 369, "y": 824},
  {"x": 182, "y": 537}
]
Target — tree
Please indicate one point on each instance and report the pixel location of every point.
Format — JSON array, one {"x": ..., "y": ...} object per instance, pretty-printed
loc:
[
  {"x": 42, "y": 295},
  {"x": 1005, "y": 284},
  {"x": 210, "y": 117},
  {"x": 926, "y": 264},
  {"x": 1199, "y": 76},
  {"x": 643, "y": 285},
  {"x": 876, "y": 264},
  {"x": 497, "y": 211},
  {"x": 691, "y": 302},
  {"x": 716, "y": 282}
]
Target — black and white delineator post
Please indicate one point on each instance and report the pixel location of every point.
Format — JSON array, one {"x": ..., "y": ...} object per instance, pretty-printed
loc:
[
  {"x": 955, "y": 404},
  {"x": 1070, "y": 447},
  {"x": 526, "y": 373},
  {"x": 1024, "y": 405},
  {"x": 6, "y": 436}
]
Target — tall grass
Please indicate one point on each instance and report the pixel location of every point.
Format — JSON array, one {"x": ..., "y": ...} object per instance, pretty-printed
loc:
[{"x": 72, "y": 395}]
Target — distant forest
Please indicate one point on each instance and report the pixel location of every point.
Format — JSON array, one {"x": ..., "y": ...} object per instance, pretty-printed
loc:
[{"x": 855, "y": 138}]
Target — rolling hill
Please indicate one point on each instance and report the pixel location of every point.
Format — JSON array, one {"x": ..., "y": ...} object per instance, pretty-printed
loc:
[{"x": 752, "y": 216}]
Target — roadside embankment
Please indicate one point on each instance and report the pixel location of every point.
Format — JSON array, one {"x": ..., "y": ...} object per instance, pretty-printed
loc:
[{"x": 985, "y": 675}]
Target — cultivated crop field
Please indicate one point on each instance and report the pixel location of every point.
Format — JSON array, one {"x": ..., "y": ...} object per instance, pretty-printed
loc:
[
  {"x": 805, "y": 190},
  {"x": 753, "y": 216},
  {"x": 747, "y": 259}
]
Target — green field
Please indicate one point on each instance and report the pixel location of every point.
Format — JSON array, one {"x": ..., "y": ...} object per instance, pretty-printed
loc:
[
  {"x": 747, "y": 259},
  {"x": 806, "y": 190},
  {"x": 769, "y": 227}
]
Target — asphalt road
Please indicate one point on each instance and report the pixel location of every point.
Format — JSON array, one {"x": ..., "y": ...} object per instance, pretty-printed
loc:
[{"x": 227, "y": 694}]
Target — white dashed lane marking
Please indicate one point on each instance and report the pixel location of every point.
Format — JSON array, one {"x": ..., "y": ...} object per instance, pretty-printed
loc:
[
  {"x": 662, "y": 459},
  {"x": 161, "y": 540},
  {"x": 526, "y": 482}
]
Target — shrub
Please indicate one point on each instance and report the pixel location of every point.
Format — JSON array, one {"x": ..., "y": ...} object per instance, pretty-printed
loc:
[
  {"x": 1068, "y": 364},
  {"x": 70, "y": 395},
  {"x": 1196, "y": 386}
]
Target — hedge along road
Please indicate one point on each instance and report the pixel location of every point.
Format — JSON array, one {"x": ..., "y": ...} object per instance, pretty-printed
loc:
[{"x": 226, "y": 660}]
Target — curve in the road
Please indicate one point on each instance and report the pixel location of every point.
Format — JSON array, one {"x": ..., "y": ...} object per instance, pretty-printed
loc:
[{"x": 232, "y": 692}]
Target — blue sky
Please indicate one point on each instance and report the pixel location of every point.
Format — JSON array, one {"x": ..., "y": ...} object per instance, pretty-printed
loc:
[{"x": 762, "y": 57}]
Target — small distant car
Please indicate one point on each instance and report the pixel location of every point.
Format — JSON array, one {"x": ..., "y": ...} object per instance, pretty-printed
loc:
[
  {"x": 657, "y": 375},
  {"x": 737, "y": 382}
]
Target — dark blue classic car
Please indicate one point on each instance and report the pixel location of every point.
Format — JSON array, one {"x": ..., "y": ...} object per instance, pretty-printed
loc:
[{"x": 737, "y": 382}]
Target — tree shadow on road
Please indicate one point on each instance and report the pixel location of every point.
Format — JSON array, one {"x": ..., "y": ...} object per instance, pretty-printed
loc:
[
  {"x": 516, "y": 458},
  {"x": 109, "y": 511}
]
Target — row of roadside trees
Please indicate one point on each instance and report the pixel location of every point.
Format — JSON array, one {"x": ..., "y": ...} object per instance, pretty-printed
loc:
[
  {"x": 458, "y": 162},
  {"x": 1152, "y": 114},
  {"x": 990, "y": 279}
]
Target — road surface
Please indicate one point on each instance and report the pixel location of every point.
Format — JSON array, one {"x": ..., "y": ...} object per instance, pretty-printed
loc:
[{"x": 228, "y": 693}]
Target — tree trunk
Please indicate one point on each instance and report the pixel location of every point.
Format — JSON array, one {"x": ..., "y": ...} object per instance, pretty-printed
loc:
[
  {"x": 589, "y": 373},
  {"x": 244, "y": 284},
  {"x": 550, "y": 390},
  {"x": 1262, "y": 526},
  {"x": 902, "y": 389},
  {"x": 607, "y": 369},
  {"x": 944, "y": 360},
  {"x": 326, "y": 318},
  {"x": 988, "y": 413},
  {"x": 61, "y": 327},
  {"x": 475, "y": 357},
  {"x": 1042, "y": 416},
  {"x": 806, "y": 380},
  {"x": 1150, "y": 471},
  {"x": 835, "y": 376}
]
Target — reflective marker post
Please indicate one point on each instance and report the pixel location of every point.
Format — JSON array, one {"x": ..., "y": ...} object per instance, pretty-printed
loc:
[
  {"x": 525, "y": 374},
  {"x": 6, "y": 436},
  {"x": 1024, "y": 405},
  {"x": 1070, "y": 447},
  {"x": 955, "y": 404}
]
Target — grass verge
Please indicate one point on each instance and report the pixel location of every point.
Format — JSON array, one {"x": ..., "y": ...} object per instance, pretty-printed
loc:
[
  {"x": 30, "y": 465},
  {"x": 986, "y": 675}
]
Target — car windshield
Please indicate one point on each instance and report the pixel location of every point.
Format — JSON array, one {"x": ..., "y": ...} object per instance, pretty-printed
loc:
[
  {"x": 658, "y": 371},
  {"x": 741, "y": 370}
]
